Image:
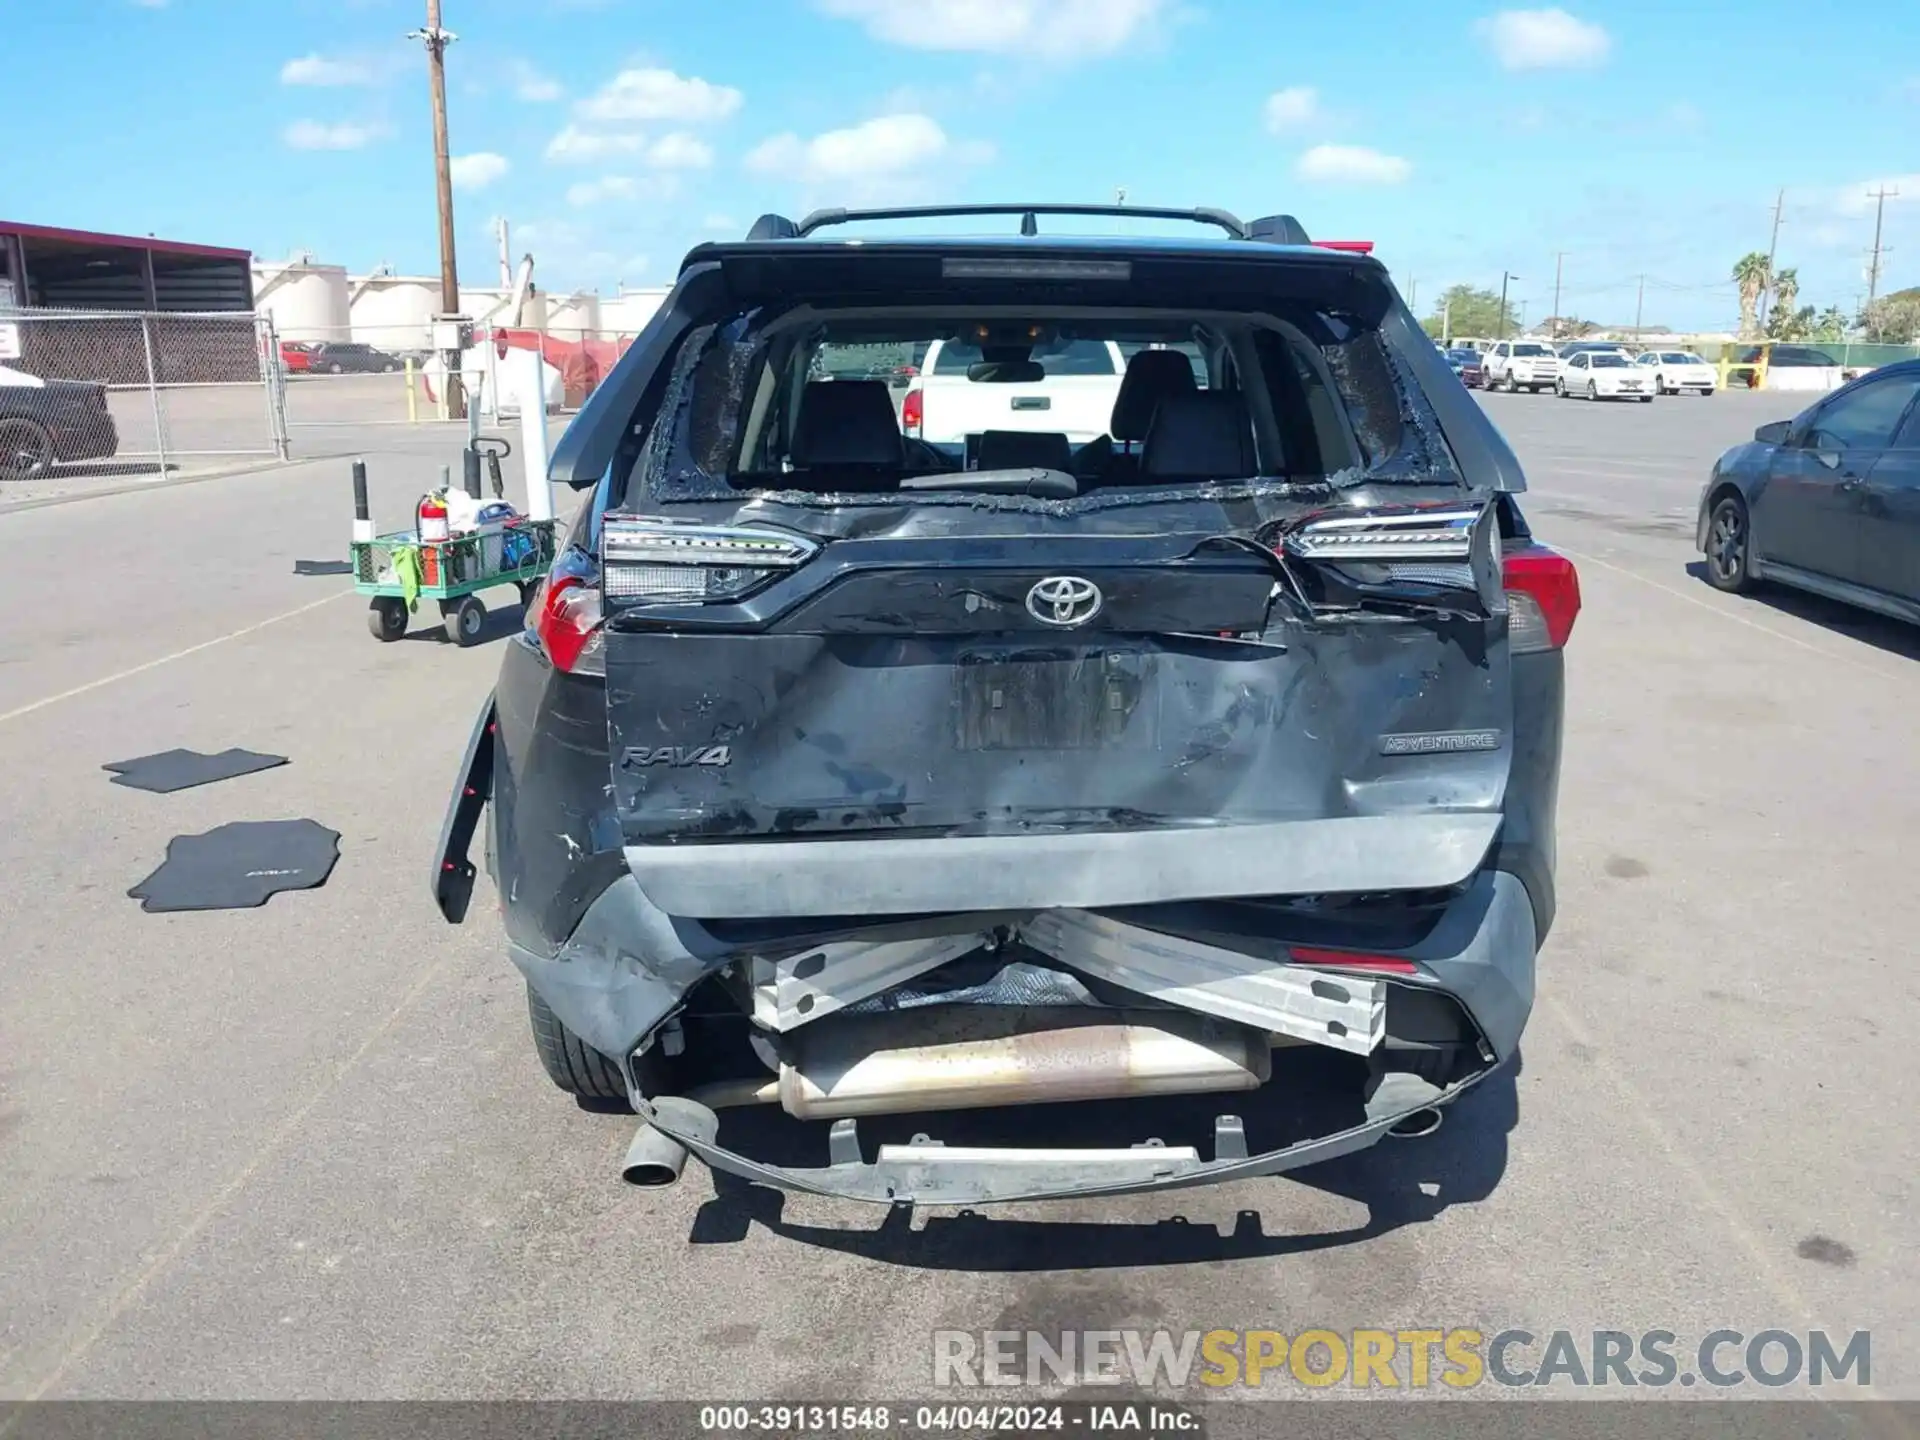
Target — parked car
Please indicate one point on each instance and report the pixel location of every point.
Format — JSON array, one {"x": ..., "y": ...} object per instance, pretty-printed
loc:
[
  {"x": 352, "y": 358},
  {"x": 835, "y": 778},
  {"x": 1828, "y": 501},
  {"x": 1466, "y": 363},
  {"x": 47, "y": 422},
  {"x": 1677, "y": 371},
  {"x": 1072, "y": 383},
  {"x": 295, "y": 358},
  {"x": 1521, "y": 365},
  {"x": 1603, "y": 375},
  {"x": 1590, "y": 347}
]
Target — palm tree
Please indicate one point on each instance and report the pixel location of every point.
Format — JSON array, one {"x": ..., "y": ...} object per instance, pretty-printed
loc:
[
  {"x": 1753, "y": 273},
  {"x": 1786, "y": 290}
]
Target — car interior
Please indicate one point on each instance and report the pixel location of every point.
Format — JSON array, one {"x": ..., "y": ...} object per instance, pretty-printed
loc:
[{"x": 1201, "y": 399}]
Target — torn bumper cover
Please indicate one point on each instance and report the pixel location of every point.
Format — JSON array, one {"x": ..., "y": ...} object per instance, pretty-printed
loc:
[
  {"x": 930, "y": 1173},
  {"x": 1479, "y": 952}
]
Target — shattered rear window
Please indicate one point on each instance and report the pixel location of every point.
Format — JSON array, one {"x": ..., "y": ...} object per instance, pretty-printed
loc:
[{"x": 746, "y": 371}]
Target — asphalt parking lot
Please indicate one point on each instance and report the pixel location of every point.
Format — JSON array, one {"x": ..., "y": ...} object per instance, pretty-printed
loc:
[{"x": 306, "y": 1151}]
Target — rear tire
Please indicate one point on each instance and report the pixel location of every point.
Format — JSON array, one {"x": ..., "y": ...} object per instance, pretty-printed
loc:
[
  {"x": 1729, "y": 546},
  {"x": 1646, "y": 399},
  {"x": 572, "y": 1064},
  {"x": 465, "y": 620}
]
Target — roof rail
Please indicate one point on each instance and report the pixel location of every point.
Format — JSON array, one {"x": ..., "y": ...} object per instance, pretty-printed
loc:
[
  {"x": 768, "y": 227},
  {"x": 1278, "y": 230}
]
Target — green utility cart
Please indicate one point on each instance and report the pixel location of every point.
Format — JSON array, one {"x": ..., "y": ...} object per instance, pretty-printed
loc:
[{"x": 400, "y": 570}]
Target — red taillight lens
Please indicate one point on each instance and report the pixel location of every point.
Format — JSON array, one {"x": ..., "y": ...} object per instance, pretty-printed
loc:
[
  {"x": 912, "y": 412},
  {"x": 1350, "y": 959},
  {"x": 1543, "y": 598},
  {"x": 567, "y": 620}
]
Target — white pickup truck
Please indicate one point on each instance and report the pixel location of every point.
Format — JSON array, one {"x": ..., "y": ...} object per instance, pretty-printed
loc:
[
  {"x": 943, "y": 407},
  {"x": 1521, "y": 365}
]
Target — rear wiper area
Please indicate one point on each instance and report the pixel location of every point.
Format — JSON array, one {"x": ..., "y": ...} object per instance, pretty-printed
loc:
[{"x": 1042, "y": 484}]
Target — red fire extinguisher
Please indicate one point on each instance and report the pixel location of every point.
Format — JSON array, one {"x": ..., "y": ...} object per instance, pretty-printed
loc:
[{"x": 431, "y": 523}]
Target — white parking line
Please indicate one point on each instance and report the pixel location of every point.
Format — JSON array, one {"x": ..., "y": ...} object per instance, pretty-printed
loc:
[
  {"x": 1728, "y": 615},
  {"x": 141, "y": 669},
  {"x": 160, "y": 1260}
]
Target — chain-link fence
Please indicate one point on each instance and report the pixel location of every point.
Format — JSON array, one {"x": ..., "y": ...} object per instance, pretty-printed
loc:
[
  {"x": 135, "y": 394},
  {"x": 345, "y": 376}
]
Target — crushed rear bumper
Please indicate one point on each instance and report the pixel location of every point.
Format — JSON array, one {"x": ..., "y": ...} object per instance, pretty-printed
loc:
[{"x": 1480, "y": 953}]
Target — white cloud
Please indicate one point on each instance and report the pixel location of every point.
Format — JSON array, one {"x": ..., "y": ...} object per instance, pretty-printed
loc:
[
  {"x": 1352, "y": 163},
  {"x": 679, "y": 151},
  {"x": 718, "y": 221},
  {"x": 1292, "y": 108},
  {"x": 479, "y": 170},
  {"x": 1051, "y": 29},
  {"x": 317, "y": 135},
  {"x": 1543, "y": 40},
  {"x": 886, "y": 145},
  {"x": 607, "y": 187},
  {"x": 151, "y": 4},
  {"x": 531, "y": 85},
  {"x": 1858, "y": 199},
  {"x": 319, "y": 70},
  {"x": 574, "y": 146},
  {"x": 660, "y": 95}
]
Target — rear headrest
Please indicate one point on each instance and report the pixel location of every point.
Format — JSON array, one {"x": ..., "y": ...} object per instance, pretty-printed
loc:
[
  {"x": 1152, "y": 376},
  {"x": 846, "y": 422},
  {"x": 1022, "y": 450},
  {"x": 1204, "y": 436}
]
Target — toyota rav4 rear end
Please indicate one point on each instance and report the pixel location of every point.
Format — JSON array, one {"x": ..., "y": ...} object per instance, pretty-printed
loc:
[{"x": 1017, "y": 818}]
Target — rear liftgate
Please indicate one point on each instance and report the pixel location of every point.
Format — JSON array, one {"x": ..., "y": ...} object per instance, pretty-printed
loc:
[{"x": 1017, "y": 734}]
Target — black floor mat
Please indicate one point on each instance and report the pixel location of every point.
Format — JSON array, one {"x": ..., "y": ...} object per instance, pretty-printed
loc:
[
  {"x": 183, "y": 769},
  {"x": 240, "y": 866}
]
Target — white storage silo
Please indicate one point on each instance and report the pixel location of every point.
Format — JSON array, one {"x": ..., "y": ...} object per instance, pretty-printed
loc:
[
  {"x": 628, "y": 313},
  {"x": 307, "y": 302},
  {"x": 575, "y": 316},
  {"x": 395, "y": 312}
]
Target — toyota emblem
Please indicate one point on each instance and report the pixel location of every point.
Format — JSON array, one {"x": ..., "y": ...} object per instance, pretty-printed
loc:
[{"x": 1063, "y": 600}]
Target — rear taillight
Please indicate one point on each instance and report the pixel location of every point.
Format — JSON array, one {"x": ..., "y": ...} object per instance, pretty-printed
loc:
[
  {"x": 1350, "y": 959},
  {"x": 662, "y": 562},
  {"x": 913, "y": 412},
  {"x": 1543, "y": 598},
  {"x": 566, "y": 615}
]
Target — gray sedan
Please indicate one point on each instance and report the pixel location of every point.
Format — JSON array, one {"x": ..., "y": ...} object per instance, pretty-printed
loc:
[{"x": 1828, "y": 501}]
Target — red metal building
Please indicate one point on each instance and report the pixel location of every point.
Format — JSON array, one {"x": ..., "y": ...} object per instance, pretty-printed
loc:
[{"x": 47, "y": 267}]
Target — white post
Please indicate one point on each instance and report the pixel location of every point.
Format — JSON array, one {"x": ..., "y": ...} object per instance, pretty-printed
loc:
[{"x": 533, "y": 431}]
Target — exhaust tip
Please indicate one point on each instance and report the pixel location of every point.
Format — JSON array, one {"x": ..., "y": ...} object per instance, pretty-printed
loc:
[
  {"x": 1417, "y": 1125},
  {"x": 653, "y": 1160}
]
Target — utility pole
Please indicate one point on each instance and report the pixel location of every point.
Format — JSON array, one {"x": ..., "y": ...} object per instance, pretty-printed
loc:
[
  {"x": 1413, "y": 293},
  {"x": 1505, "y": 276},
  {"x": 1639, "y": 296},
  {"x": 1446, "y": 321},
  {"x": 506, "y": 262},
  {"x": 1558, "y": 256},
  {"x": 1773, "y": 247},
  {"x": 436, "y": 40},
  {"x": 1880, "y": 198}
]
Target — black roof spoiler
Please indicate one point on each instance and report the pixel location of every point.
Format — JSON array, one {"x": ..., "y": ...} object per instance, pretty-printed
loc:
[{"x": 1270, "y": 229}]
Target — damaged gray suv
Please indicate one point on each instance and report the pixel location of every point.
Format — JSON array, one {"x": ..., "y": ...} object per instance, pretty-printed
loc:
[{"x": 1026, "y": 815}]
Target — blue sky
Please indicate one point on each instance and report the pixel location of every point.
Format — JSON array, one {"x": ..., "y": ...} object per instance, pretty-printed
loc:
[{"x": 1638, "y": 137}]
